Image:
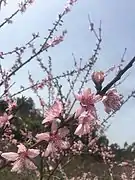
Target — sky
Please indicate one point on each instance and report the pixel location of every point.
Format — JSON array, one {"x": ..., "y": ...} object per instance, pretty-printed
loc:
[{"x": 118, "y": 33}]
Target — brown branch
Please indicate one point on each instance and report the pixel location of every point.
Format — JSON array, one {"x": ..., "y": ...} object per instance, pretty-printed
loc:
[
  {"x": 58, "y": 163},
  {"x": 117, "y": 78},
  {"x": 40, "y": 51},
  {"x": 8, "y": 19},
  {"x": 68, "y": 73}
]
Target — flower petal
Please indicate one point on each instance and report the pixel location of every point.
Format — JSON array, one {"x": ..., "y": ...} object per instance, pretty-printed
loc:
[
  {"x": 86, "y": 93},
  {"x": 79, "y": 111},
  {"x": 48, "y": 119},
  {"x": 29, "y": 164},
  {"x": 63, "y": 144},
  {"x": 63, "y": 132},
  {"x": 50, "y": 149},
  {"x": 17, "y": 166},
  {"x": 54, "y": 126},
  {"x": 43, "y": 136},
  {"x": 32, "y": 153},
  {"x": 53, "y": 112},
  {"x": 78, "y": 97},
  {"x": 79, "y": 130},
  {"x": 21, "y": 148},
  {"x": 10, "y": 156}
]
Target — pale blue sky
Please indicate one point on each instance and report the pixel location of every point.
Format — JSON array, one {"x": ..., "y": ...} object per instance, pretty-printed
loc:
[{"x": 118, "y": 28}]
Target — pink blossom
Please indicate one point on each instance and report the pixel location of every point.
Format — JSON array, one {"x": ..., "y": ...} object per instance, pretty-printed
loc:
[
  {"x": 98, "y": 77},
  {"x": 53, "y": 112},
  {"x": 56, "y": 41},
  {"x": 22, "y": 159},
  {"x": 85, "y": 124},
  {"x": 68, "y": 5},
  {"x": 111, "y": 100},
  {"x": 54, "y": 139},
  {"x": 11, "y": 105},
  {"x": 87, "y": 101},
  {"x": 4, "y": 120},
  {"x": 67, "y": 8}
]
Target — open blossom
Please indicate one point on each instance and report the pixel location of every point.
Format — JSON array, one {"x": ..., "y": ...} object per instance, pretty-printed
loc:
[
  {"x": 22, "y": 159},
  {"x": 4, "y": 120},
  {"x": 111, "y": 100},
  {"x": 85, "y": 124},
  {"x": 54, "y": 139},
  {"x": 87, "y": 101},
  {"x": 53, "y": 112}
]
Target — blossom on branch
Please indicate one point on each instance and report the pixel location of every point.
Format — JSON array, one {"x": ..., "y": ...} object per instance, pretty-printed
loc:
[
  {"x": 55, "y": 41},
  {"x": 86, "y": 122},
  {"x": 87, "y": 100},
  {"x": 68, "y": 5},
  {"x": 111, "y": 100},
  {"x": 54, "y": 139},
  {"x": 22, "y": 159},
  {"x": 4, "y": 120},
  {"x": 53, "y": 112}
]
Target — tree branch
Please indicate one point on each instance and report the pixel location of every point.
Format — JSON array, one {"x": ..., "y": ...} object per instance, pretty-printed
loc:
[{"x": 118, "y": 77}]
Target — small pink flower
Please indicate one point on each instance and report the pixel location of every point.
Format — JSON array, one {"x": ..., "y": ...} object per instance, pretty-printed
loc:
[
  {"x": 54, "y": 139},
  {"x": 22, "y": 158},
  {"x": 11, "y": 106},
  {"x": 85, "y": 124},
  {"x": 67, "y": 8},
  {"x": 53, "y": 112},
  {"x": 4, "y": 120},
  {"x": 56, "y": 41},
  {"x": 87, "y": 101},
  {"x": 87, "y": 98},
  {"x": 68, "y": 5},
  {"x": 111, "y": 100},
  {"x": 98, "y": 77}
]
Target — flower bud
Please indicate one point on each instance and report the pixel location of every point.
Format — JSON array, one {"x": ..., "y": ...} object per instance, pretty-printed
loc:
[{"x": 98, "y": 77}]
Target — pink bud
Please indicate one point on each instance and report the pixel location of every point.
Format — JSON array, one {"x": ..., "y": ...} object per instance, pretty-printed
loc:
[{"x": 98, "y": 77}]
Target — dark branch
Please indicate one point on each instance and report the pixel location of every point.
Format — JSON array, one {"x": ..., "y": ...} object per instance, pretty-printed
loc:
[{"x": 118, "y": 77}]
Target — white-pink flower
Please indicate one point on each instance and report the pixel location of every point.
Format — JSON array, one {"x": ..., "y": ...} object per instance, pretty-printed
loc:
[
  {"x": 54, "y": 139},
  {"x": 86, "y": 97},
  {"x": 85, "y": 124},
  {"x": 87, "y": 100},
  {"x": 53, "y": 112},
  {"x": 4, "y": 120},
  {"x": 22, "y": 159},
  {"x": 111, "y": 100}
]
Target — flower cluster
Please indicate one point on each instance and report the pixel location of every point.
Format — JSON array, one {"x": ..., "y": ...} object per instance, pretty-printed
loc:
[{"x": 65, "y": 130}]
